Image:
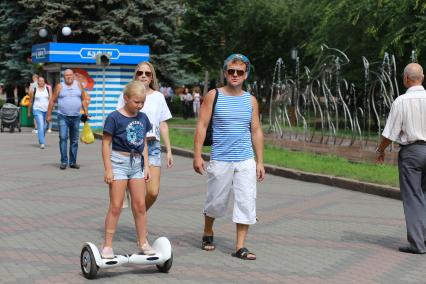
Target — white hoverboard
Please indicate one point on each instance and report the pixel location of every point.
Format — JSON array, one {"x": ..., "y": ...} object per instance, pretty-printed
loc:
[{"x": 91, "y": 260}]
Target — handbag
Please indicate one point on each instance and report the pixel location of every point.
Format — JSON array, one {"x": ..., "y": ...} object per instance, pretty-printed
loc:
[{"x": 208, "y": 141}]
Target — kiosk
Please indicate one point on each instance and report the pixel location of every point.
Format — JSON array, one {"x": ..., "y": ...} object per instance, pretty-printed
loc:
[{"x": 103, "y": 69}]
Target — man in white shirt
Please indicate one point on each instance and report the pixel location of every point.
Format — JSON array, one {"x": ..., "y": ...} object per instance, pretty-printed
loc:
[{"x": 406, "y": 125}]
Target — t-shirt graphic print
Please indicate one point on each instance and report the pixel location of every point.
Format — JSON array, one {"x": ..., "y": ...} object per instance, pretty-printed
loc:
[
  {"x": 128, "y": 133},
  {"x": 135, "y": 134}
]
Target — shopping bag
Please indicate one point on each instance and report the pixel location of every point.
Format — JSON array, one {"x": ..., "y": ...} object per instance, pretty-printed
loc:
[
  {"x": 25, "y": 101},
  {"x": 87, "y": 136}
]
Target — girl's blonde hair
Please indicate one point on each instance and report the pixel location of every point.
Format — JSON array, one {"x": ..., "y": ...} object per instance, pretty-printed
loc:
[
  {"x": 154, "y": 81},
  {"x": 134, "y": 87}
]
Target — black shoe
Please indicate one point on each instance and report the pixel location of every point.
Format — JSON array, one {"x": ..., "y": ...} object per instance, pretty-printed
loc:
[
  {"x": 75, "y": 166},
  {"x": 63, "y": 166},
  {"x": 409, "y": 249}
]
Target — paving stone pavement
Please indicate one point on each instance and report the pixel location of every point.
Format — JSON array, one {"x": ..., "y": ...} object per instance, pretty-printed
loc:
[{"x": 307, "y": 233}]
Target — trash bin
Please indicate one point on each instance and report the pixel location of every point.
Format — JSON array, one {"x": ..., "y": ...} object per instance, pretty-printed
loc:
[{"x": 26, "y": 121}]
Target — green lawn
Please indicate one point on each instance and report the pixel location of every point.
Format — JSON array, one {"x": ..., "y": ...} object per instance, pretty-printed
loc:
[
  {"x": 178, "y": 121},
  {"x": 324, "y": 164}
]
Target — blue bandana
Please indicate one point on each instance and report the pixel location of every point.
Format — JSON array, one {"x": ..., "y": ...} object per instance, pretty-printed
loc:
[{"x": 237, "y": 56}]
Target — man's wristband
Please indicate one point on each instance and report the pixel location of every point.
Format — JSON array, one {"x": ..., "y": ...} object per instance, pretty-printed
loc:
[{"x": 379, "y": 151}]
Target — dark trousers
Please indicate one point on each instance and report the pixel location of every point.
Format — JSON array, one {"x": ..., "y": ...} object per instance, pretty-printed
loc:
[{"x": 412, "y": 180}]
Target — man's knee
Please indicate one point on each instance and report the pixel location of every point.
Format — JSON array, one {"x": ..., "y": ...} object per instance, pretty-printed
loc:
[
  {"x": 63, "y": 137},
  {"x": 215, "y": 210}
]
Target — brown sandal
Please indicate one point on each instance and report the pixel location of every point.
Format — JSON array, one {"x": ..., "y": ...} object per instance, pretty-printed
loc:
[
  {"x": 245, "y": 254},
  {"x": 208, "y": 244}
]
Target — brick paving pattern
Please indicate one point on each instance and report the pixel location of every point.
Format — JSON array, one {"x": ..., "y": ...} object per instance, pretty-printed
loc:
[{"x": 307, "y": 233}]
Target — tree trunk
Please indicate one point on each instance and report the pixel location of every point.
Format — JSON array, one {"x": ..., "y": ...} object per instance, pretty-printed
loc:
[{"x": 206, "y": 83}]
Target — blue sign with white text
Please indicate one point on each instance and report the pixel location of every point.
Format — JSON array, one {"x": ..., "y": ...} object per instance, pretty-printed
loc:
[{"x": 54, "y": 52}]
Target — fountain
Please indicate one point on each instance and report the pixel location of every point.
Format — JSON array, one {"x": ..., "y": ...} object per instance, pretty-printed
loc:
[{"x": 319, "y": 106}]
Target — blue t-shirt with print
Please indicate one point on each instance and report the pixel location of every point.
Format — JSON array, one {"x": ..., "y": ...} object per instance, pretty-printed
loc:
[{"x": 128, "y": 133}]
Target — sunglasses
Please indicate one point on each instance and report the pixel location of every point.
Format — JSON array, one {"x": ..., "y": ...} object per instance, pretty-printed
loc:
[
  {"x": 231, "y": 72},
  {"x": 147, "y": 73}
]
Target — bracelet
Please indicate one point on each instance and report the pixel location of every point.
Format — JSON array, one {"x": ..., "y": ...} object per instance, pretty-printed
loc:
[{"x": 379, "y": 151}]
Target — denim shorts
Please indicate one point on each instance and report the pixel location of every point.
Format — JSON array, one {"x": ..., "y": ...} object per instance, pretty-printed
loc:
[
  {"x": 122, "y": 168},
  {"x": 154, "y": 153}
]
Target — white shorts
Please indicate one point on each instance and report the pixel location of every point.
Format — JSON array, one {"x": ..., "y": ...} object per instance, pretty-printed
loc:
[{"x": 240, "y": 177}]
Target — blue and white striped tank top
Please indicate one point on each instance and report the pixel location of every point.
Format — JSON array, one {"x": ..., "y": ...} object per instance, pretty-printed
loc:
[{"x": 231, "y": 128}]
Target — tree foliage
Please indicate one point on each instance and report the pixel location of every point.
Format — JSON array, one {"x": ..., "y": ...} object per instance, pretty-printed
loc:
[
  {"x": 144, "y": 22},
  {"x": 187, "y": 42},
  {"x": 16, "y": 45},
  {"x": 266, "y": 30}
]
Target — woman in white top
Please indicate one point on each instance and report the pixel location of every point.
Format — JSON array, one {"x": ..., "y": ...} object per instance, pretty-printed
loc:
[
  {"x": 39, "y": 101},
  {"x": 156, "y": 109},
  {"x": 197, "y": 99}
]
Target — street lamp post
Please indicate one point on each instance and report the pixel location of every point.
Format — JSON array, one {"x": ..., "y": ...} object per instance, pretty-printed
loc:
[
  {"x": 45, "y": 32},
  {"x": 295, "y": 57},
  {"x": 293, "y": 53},
  {"x": 294, "y": 95},
  {"x": 103, "y": 59}
]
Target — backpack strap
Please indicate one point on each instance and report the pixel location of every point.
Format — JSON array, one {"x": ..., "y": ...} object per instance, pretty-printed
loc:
[
  {"x": 34, "y": 94},
  {"x": 214, "y": 102}
]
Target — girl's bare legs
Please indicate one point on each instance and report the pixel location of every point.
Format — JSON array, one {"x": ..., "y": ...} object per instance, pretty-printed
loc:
[
  {"x": 153, "y": 186},
  {"x": 137, "y": 190},
  {"x": 116, "y": 196}
]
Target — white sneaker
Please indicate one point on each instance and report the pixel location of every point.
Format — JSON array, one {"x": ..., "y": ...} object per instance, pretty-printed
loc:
[
  {"x": 146, "y": 249},
  {"x": 107, "y": 253},
  {"x": 49, "y": 130},
  {"x": 35, "y": 131},
  {"x": 42, "y": 146}
]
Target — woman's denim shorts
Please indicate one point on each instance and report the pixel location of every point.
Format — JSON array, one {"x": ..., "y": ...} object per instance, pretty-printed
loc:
[
  {"x": 122, "y": 168},
  {"x": 154, "y": 153}
]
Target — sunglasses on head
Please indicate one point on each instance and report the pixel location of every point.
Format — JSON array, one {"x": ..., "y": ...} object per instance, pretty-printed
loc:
[
  {"x": 231, "y": 72},
  {"x": 147, "y": 73}
]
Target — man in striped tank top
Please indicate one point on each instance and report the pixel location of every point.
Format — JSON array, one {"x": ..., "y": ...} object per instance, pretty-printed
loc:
[
  {"x": 406, "y": 125},
  {"x": 71, "y": 97},
  {"x": 233, "y": 166}
]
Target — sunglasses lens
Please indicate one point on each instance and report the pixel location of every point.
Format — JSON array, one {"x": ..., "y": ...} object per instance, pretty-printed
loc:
[
  {"x": 231, "y": 72},
  {"x": 147, "y": 73}
]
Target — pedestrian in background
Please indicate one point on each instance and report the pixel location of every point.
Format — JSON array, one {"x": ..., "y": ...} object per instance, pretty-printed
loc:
[
  {"x": 2, "y": 95},
  {"x": 38, "y": 104},
  {"x": 406, "y": 125},
  {"x": 71, "y": 97},
  {"x": 197, "y": 101},
  {"x": 187, "y": 103},
  {"x": 33, "y": 85}
]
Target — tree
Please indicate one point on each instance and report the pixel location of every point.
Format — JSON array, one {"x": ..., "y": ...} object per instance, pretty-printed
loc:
[
  {"x": 263, "y": 32},
  {"x": 144, "y": 22},
  {"x": 206, "y": 33},
  {"x": 16, "y": 44}
]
